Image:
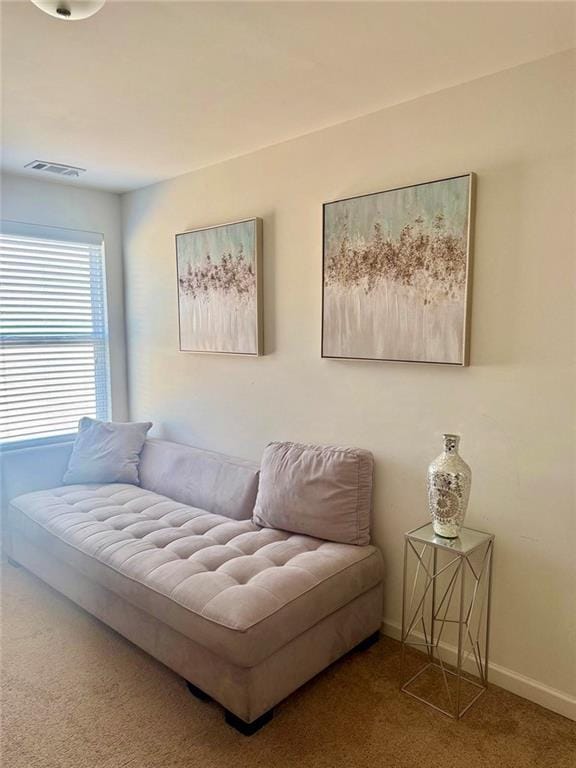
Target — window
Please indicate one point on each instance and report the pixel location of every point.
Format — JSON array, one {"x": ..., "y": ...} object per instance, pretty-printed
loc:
[{"x": 53, "y": 332}]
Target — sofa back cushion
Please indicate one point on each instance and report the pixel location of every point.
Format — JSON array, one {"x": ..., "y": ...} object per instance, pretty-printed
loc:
[
  {"x": 212, "y": 481},
  {"x": 320, "y": 491}
]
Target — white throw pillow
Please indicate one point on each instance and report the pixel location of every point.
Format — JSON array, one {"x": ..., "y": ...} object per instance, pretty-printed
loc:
[{"x": 106, "y": 452}]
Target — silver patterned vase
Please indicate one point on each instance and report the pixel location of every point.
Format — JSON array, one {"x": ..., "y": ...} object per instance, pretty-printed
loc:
[{"x": 449, "y": 479}]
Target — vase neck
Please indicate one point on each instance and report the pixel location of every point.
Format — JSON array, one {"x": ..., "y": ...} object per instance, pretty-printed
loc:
[{"x": 451, "y": 443}]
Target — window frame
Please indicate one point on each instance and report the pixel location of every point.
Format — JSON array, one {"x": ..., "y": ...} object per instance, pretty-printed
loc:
[{"x": 102, "y": 371}]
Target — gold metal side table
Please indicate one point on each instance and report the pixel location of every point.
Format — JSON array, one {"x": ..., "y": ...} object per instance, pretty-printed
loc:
[{"x": 446, "y": 613}]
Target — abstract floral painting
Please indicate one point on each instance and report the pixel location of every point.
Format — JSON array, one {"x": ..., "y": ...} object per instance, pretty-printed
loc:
[
  {"x": 219, "y": 285},
  {"x": 396, "y": 274}
]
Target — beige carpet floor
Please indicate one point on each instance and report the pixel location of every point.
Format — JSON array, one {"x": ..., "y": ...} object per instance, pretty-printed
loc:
[{"x": 77, "y": 695}]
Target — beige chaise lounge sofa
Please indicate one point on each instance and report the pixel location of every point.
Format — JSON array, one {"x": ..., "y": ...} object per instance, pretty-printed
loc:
[{"x": 246, "y": 614}]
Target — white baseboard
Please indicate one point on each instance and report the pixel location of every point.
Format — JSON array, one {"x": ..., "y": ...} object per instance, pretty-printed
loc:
[{"x": 527, "y": 687}]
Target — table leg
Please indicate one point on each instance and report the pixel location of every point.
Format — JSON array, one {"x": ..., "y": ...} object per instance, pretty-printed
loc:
[
  {"x": 462, "y": 568},
  {"x": 403, "y": 639}
]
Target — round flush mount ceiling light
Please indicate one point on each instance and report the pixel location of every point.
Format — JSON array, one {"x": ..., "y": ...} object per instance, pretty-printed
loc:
[{"x": 70, "y": 10}]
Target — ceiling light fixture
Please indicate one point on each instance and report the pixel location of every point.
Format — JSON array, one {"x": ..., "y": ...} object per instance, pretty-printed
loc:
[{"x": 70, "y": 10}]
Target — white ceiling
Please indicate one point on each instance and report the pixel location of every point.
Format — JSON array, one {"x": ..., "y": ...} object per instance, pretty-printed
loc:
[{"x": 144, "y": 91}]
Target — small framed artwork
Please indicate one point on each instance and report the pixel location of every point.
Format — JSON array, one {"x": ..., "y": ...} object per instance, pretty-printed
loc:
[
  {"x": 220, "y": 288},
  {"x": 397, "y": 270}
]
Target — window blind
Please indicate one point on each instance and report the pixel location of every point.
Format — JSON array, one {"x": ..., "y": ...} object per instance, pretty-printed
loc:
[{"x": 53, "y": 332}]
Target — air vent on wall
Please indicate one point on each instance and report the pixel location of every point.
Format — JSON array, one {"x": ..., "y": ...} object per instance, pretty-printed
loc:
[{"x": 58, "y": 168}]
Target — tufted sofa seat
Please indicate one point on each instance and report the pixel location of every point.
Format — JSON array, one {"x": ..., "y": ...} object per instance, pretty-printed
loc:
[
  {"x": 245, "y": 612},
  {"x": 232, "y": 586}
]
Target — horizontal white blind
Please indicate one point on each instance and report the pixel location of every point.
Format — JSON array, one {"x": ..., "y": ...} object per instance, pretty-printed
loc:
[{"x": 53, "y": 334}]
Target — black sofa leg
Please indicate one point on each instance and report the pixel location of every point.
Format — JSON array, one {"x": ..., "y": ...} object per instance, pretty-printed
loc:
[
  {"x": 13, "y": 563},
  {"x": 368, "y": 642},
  {"x": 248, "y": 729},
  {"x": 197, "y": 692}
]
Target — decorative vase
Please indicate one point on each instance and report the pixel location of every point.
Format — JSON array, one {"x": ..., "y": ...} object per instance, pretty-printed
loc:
[{"x": 449, "y": 479}]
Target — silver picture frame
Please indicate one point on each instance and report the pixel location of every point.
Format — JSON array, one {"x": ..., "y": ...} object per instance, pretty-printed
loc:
[
  {"x": 357, "y": 321},
  {"x": 219, "y": 288}
]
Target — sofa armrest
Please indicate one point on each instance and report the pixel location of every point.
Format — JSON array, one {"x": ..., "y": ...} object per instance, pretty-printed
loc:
[
  {"x": 32, "y": 469},
  {"x": 25, "y": 470}
]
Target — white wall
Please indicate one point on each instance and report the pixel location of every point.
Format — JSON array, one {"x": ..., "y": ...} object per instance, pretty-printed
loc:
[
  {"x": 514, "y": 406},
  {"x": 63, "y": 205}
]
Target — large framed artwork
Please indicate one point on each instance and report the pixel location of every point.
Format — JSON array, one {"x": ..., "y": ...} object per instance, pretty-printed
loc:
[
  {"x": 397, "y": 274},
  {"x": 220, "y": 288}
]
